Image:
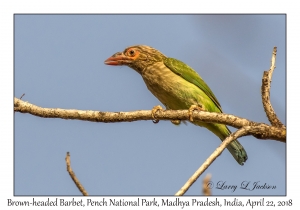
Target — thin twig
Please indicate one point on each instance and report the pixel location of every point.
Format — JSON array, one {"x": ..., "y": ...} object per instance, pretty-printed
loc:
[
  {"x": 206, "y": 188},
  {"x": 22, "y": 95},
  {"x": 265, "y": 93},
  {"x": 73, "y": 176},
  {"x": 211, "y": 158}
]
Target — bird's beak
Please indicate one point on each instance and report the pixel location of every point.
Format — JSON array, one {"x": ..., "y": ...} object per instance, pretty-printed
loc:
[{"x": 118, "y": 59}]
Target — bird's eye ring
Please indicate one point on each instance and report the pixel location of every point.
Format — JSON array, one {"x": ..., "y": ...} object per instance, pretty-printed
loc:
[{"x": 131, "y": 52}]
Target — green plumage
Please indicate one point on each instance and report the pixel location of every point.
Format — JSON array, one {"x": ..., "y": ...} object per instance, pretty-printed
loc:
[
  {"x": 177, "y": 86},
  {"x": 191, "y": 76}
]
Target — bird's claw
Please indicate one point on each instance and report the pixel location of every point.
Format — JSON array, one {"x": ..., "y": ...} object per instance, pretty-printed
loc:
[
  {"x": 154, "y": 110},
  {"x": 194, "y": 108}
]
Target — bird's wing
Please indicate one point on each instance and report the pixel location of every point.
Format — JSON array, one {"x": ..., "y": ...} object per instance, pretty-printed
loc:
[{"x": 186, "y": 72}]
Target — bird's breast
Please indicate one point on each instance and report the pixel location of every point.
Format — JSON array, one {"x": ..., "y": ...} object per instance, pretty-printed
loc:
[{"x": 171, "y": 89}]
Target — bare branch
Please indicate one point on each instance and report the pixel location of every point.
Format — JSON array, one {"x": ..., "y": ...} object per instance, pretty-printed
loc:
[
  {"x": 265, "y": 93},
  {"x": 268, "y": 132},
  {"x": 206, "y": 185},
  {"x": 211, "y": 158},
  {"x": 247, "y": 130},
  {"x": 73, "y": 176}
]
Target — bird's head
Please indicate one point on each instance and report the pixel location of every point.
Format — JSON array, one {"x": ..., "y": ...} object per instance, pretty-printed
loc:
[{"x": 136, "y": 57}]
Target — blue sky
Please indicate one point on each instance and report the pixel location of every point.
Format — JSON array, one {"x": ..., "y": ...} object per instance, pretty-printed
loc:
[{"x": 59, "y": 63}]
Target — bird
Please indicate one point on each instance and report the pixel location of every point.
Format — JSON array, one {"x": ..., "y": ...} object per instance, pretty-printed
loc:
[{"x": 177, "y": 86}]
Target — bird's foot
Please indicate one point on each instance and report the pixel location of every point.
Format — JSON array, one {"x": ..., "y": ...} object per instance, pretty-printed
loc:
[
  {"x": 194, "y": 108},
  {"x": 154, "y": 110}
]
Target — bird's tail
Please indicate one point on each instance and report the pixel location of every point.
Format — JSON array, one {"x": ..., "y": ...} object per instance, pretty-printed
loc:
[
  {"x": 238, "y": 152},
  {"x": 235, "y": 147}
]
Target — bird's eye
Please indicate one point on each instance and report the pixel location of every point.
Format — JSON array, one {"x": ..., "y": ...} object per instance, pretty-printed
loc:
[{"x": 131, "y": 52}]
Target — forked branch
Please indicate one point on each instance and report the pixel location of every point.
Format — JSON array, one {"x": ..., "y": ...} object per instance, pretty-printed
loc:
[{"x": 265, "y": 93}]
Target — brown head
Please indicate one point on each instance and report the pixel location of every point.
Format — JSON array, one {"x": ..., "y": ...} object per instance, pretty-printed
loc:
[{"x": 136, "y": 57}]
